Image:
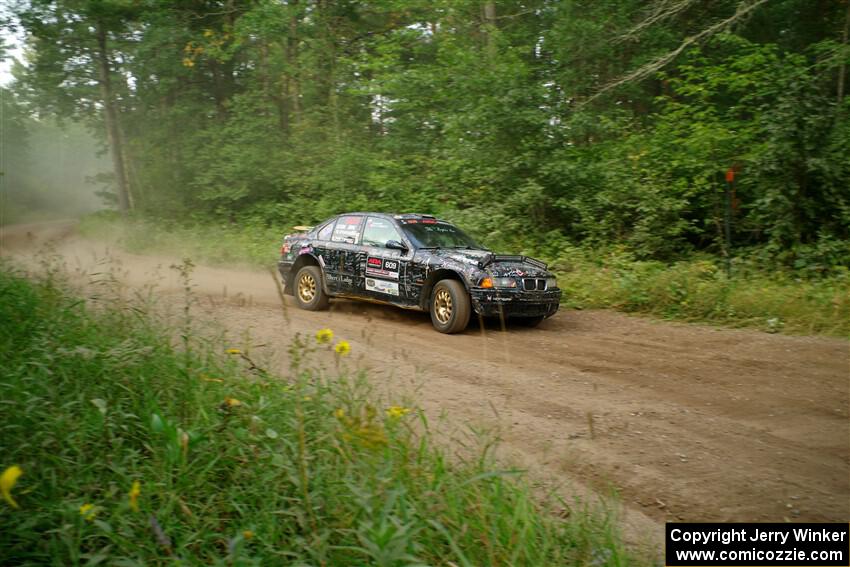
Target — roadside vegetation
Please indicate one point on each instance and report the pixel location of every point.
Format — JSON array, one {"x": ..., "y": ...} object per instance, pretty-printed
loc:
[
  {"x": 810, "y": 300},
  {"x": 126, "y": 442},
  {"x": 698, "y": 290},
  {"x": 614, "y": 139}
]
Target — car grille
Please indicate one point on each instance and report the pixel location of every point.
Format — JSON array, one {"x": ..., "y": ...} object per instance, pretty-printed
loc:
[{"x": 530, "y": 284}]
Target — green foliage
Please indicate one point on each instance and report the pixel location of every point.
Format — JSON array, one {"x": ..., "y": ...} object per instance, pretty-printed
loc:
[
  {"x": 753, "y": 107},
  {"x": 483, "y": 111},
  {"x": 235, "y": 466},
  {"x": 698, "y": 290}
]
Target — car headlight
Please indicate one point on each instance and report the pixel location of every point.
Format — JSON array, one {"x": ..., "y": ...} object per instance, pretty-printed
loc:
[
  {"x": 551, "y": 283},
  {"x": 498, "y": 282}
]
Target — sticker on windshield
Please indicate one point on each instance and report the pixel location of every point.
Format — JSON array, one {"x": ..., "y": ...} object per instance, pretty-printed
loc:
[
  {"x": 382, "y": 268},
  {"x": 382, "y": 286}
]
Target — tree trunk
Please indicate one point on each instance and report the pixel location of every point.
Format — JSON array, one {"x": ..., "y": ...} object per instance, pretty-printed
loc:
[
  {"x": 219, "y": 90},
  {"x": 842, "y": 70},
  {"x": 113, "y": 134},
  {"x": 133, "y": 191},
  {"x": 296, "y": 68},
  {"x": 328, "y": 65},
  {"x": 265, "y": 75},
  {"x": 488, "y": 11},
  {"x": 291, "y": 108}
]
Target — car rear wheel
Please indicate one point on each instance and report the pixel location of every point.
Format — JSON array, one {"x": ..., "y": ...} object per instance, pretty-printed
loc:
[
  {"x": 308, "y": 290},
  {"x": 450, "y": 307}
]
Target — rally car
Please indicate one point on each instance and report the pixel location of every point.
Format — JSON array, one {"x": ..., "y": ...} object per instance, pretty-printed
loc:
[{"x": 413, "y": 261}]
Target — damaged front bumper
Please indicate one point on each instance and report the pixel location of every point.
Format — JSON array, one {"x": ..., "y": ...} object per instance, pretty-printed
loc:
[{"x": 515, "y": 303}]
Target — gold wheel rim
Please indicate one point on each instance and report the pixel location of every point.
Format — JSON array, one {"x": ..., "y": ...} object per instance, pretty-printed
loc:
[
  {"x": 443, "y": 306},
  {"x": 306, "y": 288}
]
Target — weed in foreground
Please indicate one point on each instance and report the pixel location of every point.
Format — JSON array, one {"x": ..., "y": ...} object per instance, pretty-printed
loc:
[{"x": 124, "y": 447}]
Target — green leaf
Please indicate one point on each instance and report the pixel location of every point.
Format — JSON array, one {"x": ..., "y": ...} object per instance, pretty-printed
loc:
[
  {"x": 157, "y": 424},
  {"x": 103, "y": 525},
  {"x": 99, "y": 404}
]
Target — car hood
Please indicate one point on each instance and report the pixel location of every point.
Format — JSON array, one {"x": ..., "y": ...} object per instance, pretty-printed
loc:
[{"x": 497, "y": 265}]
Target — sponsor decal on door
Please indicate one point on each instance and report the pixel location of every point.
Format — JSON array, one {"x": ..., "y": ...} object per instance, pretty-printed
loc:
[
  {"x": 382, "y": 286},
  {"x": 382, "y": 268}
]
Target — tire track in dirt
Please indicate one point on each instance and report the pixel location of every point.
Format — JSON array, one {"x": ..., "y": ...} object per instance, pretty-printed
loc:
[{"x": 688, "y": 422}]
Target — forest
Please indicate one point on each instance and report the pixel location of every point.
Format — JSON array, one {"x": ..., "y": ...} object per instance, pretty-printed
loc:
[
  {"x": 573, "y": 122},
  {"x": 684, "y": 159}
]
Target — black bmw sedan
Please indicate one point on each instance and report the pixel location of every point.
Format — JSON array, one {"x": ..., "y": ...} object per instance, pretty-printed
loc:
[{"x": 414, "y": 261}]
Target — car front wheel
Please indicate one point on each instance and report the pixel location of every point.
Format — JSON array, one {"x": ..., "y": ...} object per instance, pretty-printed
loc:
[
  {"x": 309, "y": 294},
  {"x": 450, "y": 307}
]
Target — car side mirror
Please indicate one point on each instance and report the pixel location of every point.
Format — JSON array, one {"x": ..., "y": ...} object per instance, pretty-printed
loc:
[{"x": 396, "y": 245}]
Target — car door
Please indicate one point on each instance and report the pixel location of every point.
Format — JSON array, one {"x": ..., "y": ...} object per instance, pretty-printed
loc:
[
  {"x": 325, "y": 253},
  {"x": 383, "y": 268},
  {"x": 342, "y": 256}
]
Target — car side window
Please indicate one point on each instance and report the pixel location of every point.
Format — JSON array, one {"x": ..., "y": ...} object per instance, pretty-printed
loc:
[
  {"x": 347, "y": 230},
  {"x": 378, "y": 231},
  {"x": 326, "y": 231}
]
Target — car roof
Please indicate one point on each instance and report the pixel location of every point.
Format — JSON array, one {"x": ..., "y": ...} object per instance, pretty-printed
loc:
[{"x": 396, "y": 216}]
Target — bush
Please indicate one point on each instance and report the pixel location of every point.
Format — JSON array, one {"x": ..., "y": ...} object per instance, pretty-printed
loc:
[{"x": 698, "y": 290}]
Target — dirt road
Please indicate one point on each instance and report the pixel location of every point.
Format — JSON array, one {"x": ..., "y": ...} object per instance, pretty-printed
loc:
[{"x": 685, "y": 422}]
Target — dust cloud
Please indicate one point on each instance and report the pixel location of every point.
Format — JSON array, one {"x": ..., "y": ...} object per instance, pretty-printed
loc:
[{"x": 49, "y": 171}]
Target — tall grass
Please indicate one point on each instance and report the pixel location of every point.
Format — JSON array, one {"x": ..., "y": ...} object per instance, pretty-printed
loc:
[
  {"x": 224, "y": 243},
  {"x": 699, "y": 290},
  {"x": 139, "y": 448}
]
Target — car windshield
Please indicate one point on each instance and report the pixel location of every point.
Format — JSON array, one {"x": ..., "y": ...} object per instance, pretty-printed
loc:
[{"x": 436, "y": 234}]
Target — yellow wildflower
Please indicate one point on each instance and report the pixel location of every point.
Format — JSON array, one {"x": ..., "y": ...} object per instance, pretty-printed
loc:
[
  {"x": 135, "y": 491},
  {"x": 188, "y": 62},
  {"x": 370, "y": 436},
  {"x": 339, "y": 413},
  {"x": 342, "y": 348},
  {"x": 232, "y": 402},
  {"x": 7, "y": 482},
  {"x": 324, "y": 336},
  {"x": 247, "y": 534},
  {"x": 233, "y": 351},
  {"x": 88, "y": 511},
  {"x": 208, "y": 33},
  {"x": 308, "y": 399},
  {"x": 397, "y": 411}
]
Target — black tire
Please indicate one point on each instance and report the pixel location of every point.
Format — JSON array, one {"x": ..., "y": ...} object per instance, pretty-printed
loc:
[
  {"x": 449, "y": 306},
  {"x": 307, "y": 289},
  {"x": 530, "y": 322}
]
